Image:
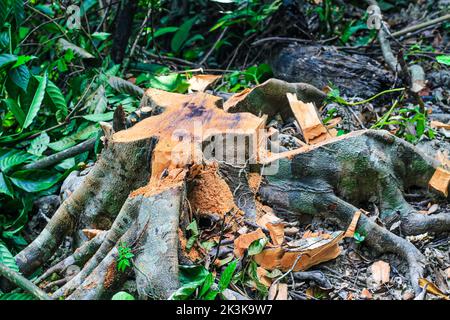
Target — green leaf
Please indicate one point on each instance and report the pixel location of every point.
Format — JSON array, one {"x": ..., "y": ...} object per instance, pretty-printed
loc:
[
  {"x": 12, "y": 157},
  {"x": 227, "y": 275},
  {"x": 195, "y": 233},
  {"x": 17, "y": 296},
  {"x": 125, "y": 86},
  {"x": 6, "y": 59},
  {"x": 211, "y": 295},
  {"x": 122, "y": 295},
  {"x": 66, "y": 45},
  {"x": 209, "y": 280},
  {"x": 16, "y": 110},
  {"x": 182, "y": 34},
  {"x": 39, "y": 144},
  {"x": 165, "y": 30},
  {"x": 97, "y": 101},
  {"x": 7, "y": 259},
  {"x": 444, "y": 59},
  {"x": 192, "y": 274},
  {"x": 257, "y": 246},
  {"x": 101, "y": 35},
  {"x": 56, "y": 98},
  {"x": 20, "y": 76},
  {"x": 19, "y": 11},
  {"x": 4, "y": 5},
  {"x": 99, "y": 117},
  {"x": 34, "y": 180},
  {"x": 5, "y": 185},
  {"x": 36, "y": 102},
  {"x": 184, "y": 292}
]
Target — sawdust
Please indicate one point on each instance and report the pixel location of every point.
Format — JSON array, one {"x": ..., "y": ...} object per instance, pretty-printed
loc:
[
  {"x": 110, "y": 275},
  {"x": 211, "y": 194}
]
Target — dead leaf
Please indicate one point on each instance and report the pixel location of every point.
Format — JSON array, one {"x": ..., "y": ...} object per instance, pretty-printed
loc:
[
  {"x": 432, "y": 288},
  {"x": 201, "y": 82},
  {"x": 91, "y": 233},
  {"x": 438, "y": 125},
  {"x": 433, "y": 209},
  {"x": 308, "y": 119},
  {"x": 276, "y": 233},
  {"x": 365, "y": 294},
  {"x": 262, "y": 276},
  {"x": 440, "y": 181},
  {"x": 267, "y": 218},
  {"x": 244, "y": 241},
  {"x": 380, "y": 272},
  {"x": 278, "y": 291}
]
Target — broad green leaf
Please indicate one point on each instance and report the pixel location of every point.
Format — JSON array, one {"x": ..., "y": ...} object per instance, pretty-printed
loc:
[
  {"x": 19, "y": 11},
  {"x": 192, "y": 274},
  {"x": 444, "y": 59},
  {"x": 12, "y": 157},
  {"x": 56, "y": 97},
  {"x": 5, "y": 185},
  {"x": 36, "y": 102},
  {"x": 209, "y": 280},
  {"x": 23, "y": 59},
  {"x": 97, "y": 101},
  {"x": 184, "y": 292},
  {"x": 6, "y": 59},
  {"x": 100, "y": 117},
  {"x": 165, "y": 30},
  {"x": 122, "y": 295},
  {"x": 4, "y": 5},
  {"x": 182, "y": 34},
  {"x": 101, "y": 35},
  {"x": 125, "y": 86},
  {"x": 16, "y": 110},
  {"x": 195, "y": 233},
  {"x": 227, "y": 275},
  {"x": 17, "y": 296},
  {"x": 34, "y": 180},
  {"x": 211, "y": 295},
  {"x": 257, "y": 246},
  {"x": 7, "y": 259},
  {"x": 63, "y": 143},
  {"x": 20, "y": 76},
  {"x": 66, "y": 45},
  {"x": 39, "y": 144}
]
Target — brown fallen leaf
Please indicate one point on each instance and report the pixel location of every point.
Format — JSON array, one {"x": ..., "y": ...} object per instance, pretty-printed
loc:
[
  {"x": 438, "y": 125},
  {"x": 276, "y": 231},
  {"x": 91, "y": 233},
  {"x": 262, "y": 276},
  {"x": 267, "y": 218},
  {"x": 308, "y": 119},
  {"x": 440, "y": 181},
  {"x": 366, "y": 294},
  {"x": 432, "y": 288},
  {"x": 278, "y": 291},
  {"x": 380, "y": 272},
  {"x": 244, "y": 241},
  {"x": 201, "y": 82}
]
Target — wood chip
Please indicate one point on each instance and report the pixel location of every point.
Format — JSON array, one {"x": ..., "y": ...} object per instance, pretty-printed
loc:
[
  {"x": 365, "y": 294},
  {"x": 440, "y": 181},
  {"x": 276, "y": 233},
  {"x": 278, "y": 291},
  {"x": 380, "y": 272},
  {"x": 201, "y": 82},
  {"x": 438, "y": 125},
  {"x": 306, "y": 115}
]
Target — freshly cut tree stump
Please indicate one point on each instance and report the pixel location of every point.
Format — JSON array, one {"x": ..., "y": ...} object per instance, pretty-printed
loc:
[{"x": 150, "y": 177}]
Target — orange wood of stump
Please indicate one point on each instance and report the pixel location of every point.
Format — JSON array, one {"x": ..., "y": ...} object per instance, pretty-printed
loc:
[{"x": 185, "y": 123}]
